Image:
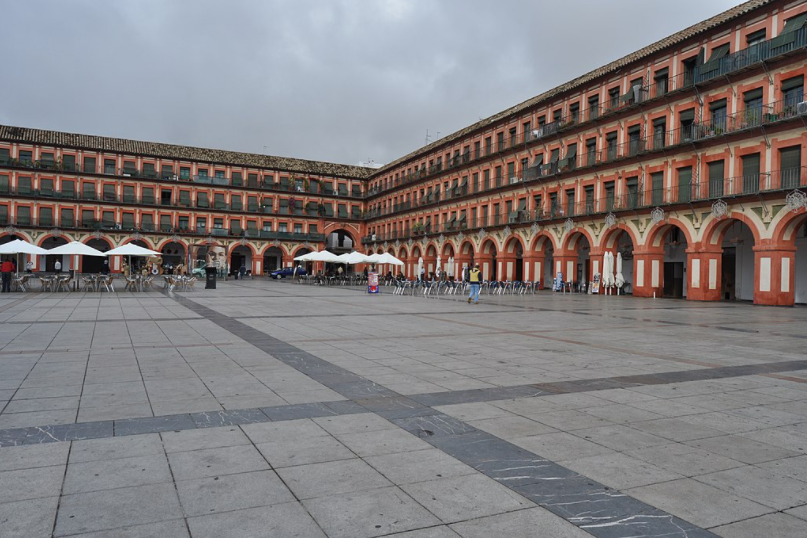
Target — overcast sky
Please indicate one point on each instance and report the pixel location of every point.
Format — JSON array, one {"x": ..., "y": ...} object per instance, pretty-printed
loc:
[{"x": 332, "y": 80}]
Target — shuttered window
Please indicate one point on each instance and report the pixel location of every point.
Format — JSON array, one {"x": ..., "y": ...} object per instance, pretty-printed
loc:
[
  {"x": 716, "y": 179},
  {"x": 790, "y": 159},
  {"x": 750, "y": 173},
  {"x": 657, "y": 186},
  {"x": 685, "y": 184}
]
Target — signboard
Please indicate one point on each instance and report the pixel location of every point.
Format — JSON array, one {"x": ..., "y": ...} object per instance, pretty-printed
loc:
[{"x": 372, "y": 282}]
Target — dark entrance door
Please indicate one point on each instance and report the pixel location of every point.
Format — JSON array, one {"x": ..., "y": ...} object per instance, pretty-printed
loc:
[
  {"x": 729, "y": 273},
  {"x": 674, "y": 279}
]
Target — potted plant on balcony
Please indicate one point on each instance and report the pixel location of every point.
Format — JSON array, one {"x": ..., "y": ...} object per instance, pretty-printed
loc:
[{"x": 417, "y": 229}]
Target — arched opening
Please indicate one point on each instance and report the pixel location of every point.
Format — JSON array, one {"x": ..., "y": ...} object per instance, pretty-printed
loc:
[
  {"x": 487, "y": 260},
  {"x": 800, "y": 265},
  {"x": 737, "y": 262},
  {"x": 308, "y": 266},
  {"x": 173, "y": 253},
  {"x": 96, "y": 264},
  {"x": 449, "y": 261},
  {"x": 339, "y": 242},
  {"x": 582, "y": 268},
  {"x": 9, "y": 238},
  {"x": 519, "y": 268},
  {"x": 620, "y": 243},
  {"x": 414, "y": 262},
  {"x": 674, "y": 281},
  {"x": 272, "y": 259},
  {"x": 430, "y": 261},
  {"x": 549, "y": 264},
  {"x": 241, "y": 256},
  {"x": 49, "y": 261}
]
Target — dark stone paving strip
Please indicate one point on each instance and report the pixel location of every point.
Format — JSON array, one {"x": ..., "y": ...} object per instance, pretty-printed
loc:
[{"x": 595, "y": 508}]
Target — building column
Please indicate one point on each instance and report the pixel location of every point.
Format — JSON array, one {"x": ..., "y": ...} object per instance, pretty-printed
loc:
[
  {"x": 774, "y": 278},
  {"x": 534, "y": 267},
  {"x": 507, "y": 266},
  {"x": 704, "y": 266},
  {"x": 648, "y": 273},
  {"x": 566, "y": 263}
]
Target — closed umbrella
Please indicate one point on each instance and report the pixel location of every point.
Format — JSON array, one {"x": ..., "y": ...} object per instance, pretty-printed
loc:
[
  {"x": 420, "y": 266},
  {"x": 619, "y": 280},
  {"x": 437, "y": 267},
  {"x": 450, "y": 268}
]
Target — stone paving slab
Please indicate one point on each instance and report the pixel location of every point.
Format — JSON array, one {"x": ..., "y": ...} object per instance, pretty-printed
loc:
[{"x": 268, "y": 407}]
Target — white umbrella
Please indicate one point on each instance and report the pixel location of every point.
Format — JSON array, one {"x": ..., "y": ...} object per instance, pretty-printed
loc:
[
  {"x": 450, "y": 268},
  {"x": 19, "y": 246},
  {"x": 619, "y": 279},
  {"x": 606, "y": 260},
  {"x": 611, "y": 279},
  {"x": 75, "y": 248},
  {"x": 323, "y": 256},
  {"x": 439, "y": 263},
  {"x": 304, "y": 257},
  {"x": 130, "y": 249},
  {"x": 387, "y": 258},
  {"x": 353, "y": 258}
]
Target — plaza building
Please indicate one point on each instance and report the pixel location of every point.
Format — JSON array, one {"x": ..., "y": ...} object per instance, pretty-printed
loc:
[{"x": 686, "y": 157}]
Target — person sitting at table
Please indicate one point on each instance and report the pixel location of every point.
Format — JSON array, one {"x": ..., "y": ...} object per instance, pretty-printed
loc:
[
  {"x": 105, "y": 268},
  {"x": 57, "y": 267},
  {"x": 29, "y": 267}
]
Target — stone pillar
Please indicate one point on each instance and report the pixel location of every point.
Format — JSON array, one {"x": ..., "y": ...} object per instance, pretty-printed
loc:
[
  {"x": 704, "y": 266},
  {"x": 566, "y": 263},
  {"x": 534, "y": 267},
  {"x": 648, "y": 273},
  {"x": 507, "y": 266},
  {"x": 774, "y": 278}
]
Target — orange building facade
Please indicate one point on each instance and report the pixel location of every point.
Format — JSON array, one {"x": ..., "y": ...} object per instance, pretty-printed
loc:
[{"x": 686, "y": 157}]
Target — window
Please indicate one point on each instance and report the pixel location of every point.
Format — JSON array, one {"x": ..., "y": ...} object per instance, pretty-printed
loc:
[
  {"x": 4, "y": 185},
  {"x": 688, "y": 66},
  {"x": 298, "y": 228},
  {"x": 790, "y": 163},
  {"x": 149, "y": 171},
  {"x": 716, "y": 179},
  {"x": 754, "y": 38},
  {"x": 218, "y": 201},
  {"x": 129, "y": 168},
  {"x": 148, "y": 195},
  {"x": 185, "y": 172},
  {"x": 67, "y": 218},
  {"x": 553, "y": 205},
  {"x": 26, "y": 157},
  {"x": 687, "y": 121},
  {"x": 570, "y": 202},
  {"x": 488, "y": 145},
  {"x": 609, "y": 196},
  {"x": 46, "y": 158},
  {"x": 513, "y": 137},
  {"x": 660, "y": 82},
  {"x": 593, "y": 107},
  {"x": 5, "y": 156},
  {"x": 109, "y": 166},
  {"x": 147, "y": 222},
  {"x": 475, "y": 180},
  {"x": 165, "y": 223},
  {"x": 46, "y": 216},
  {"x": 201, "y": 172},
  {"x": 201, "y": 224},
  {"x": 659, "y": 132},
  {"x": 46, "y": 187},
  {"x": 23, "y": 215},
  {"x": 167, "y": 171},
  {"x": 753, "y": 108},
  {"x": 184, "y": 223},
  {"x": 108, "y": 219},
  {"x": 252, "y": 181},
  {"x": 557, "y": 115},
  {"x": 282, "y": 227},
  {"x": 486, "y": 179},
  {"x": 657, "y": 186},
  {"x": 69, "y": 163},
  {"x": 109, "y": 193},
  {"x": 127, "y": 221},
  {"x": 498, "y": 171},
  {"x": 68, "y": 189},
  {"x": 499, "y": 142},
  {"x": 88, "y": 191},
  {"x": 718, "y": 52},
  {"x": 632, "y": 183},
  {"x": 718, "y": 110},
  {"x": 574, "y": 112},
  {"x": 635, "y": 141},
  {"x": 236, "y": 203},
  {"x": 237, "y": 180},
  {"x": 571, "y": 156},
  {"x": 610, "y": 145},
  {"x": 201, "y": 199},
  {"x": 185, "y": 198},
  {"x": 613, "y": 97},
  {"x": 24, "y": 185},
  {"x": 685, "y": 184},
  {"x": 591, "y": 151},
  {"x": 793, "y": 93},
  {"x": 89, "y": 165},
  {"x": 750, "y": 173}
]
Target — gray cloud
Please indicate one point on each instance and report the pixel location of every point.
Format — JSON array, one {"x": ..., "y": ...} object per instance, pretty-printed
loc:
[{"x": 334, "y": 80}]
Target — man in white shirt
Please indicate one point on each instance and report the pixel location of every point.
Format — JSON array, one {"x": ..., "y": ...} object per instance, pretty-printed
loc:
[{"x": 57, "y": 266}]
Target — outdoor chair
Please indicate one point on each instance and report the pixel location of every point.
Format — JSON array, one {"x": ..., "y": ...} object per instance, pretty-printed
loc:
[
  {"x": 46, "y": 284},
  {"x": 131, "y": 283},
  {"x": 87, "y": 283},
  {"x": 108, "y": 283},
  {"x": 64, "y": 283},
  {"x": 189, "y": 283},
  {"x": 148, "y": 282},
  {"x": 19, "y": 282}
]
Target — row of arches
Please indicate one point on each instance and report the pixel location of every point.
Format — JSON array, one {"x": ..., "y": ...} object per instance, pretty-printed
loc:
[{"x": 731, "y": 261}]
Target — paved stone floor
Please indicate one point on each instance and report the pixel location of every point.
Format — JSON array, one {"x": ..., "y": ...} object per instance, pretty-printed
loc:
[{"x": 273, "y": 409}]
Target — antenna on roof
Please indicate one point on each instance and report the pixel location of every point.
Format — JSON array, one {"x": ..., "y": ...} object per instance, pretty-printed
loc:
[{"x": 425, "y": 142}]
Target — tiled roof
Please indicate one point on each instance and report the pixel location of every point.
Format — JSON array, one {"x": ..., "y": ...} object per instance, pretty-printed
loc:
[
  {"x": 171, "y": 151},
  {"x": 642, "y": 53}
]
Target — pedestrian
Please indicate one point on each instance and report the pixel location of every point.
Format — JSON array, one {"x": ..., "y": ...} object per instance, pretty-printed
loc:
[
  {"x": 243, "y": 271},
  {"x": 7, "y": 268},
  {"x": 474, "y": 277},
  {"x": 57, "y": 267},
  {"x": 29, "y": 267},
  {"x": 366, "y": 272},
  {"x": 105, "y": 268}
]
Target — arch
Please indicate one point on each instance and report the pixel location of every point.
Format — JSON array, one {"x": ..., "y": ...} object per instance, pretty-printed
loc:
[
  {"x": 785, "y": 230},
  {"x": 467, "y": 249},
  {"x": 487, "y": 244},
  {"x": 541, "y": 240},
  {"x": 611, "y": 236},
  {"x": 279, "y": 247},
  {"x": 573, "y": 238},
  {"x": 273, "y": 256},
  {"x": 655, "y": 235},
  {"x": 416, "y": 252},
  {"x": 7, "y": 237},
  {"x": 340, "y": 239},
  {"x": 174, "y": 253},
  {"x": 106, "y": 240},
  {"x": 715, "y": 231},
  {"x": 448, "y": 249},
  {"x": 511, "y": 244},
  {"x": 48, "y": 261},
  {"x": 96, "y": 264},
  {"x": 143, "y": 242},
  {"x": 431, "y": 250},
  {"x": 403, "y": 253}
]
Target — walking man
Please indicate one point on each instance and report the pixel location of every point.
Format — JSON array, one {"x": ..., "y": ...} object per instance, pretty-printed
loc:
[
  {"x": 474, "y": 277},
  {"x": 7, "y": 268}
]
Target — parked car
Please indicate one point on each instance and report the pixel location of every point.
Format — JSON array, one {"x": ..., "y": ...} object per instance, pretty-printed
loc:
[{"x": 287, "y": 272}]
